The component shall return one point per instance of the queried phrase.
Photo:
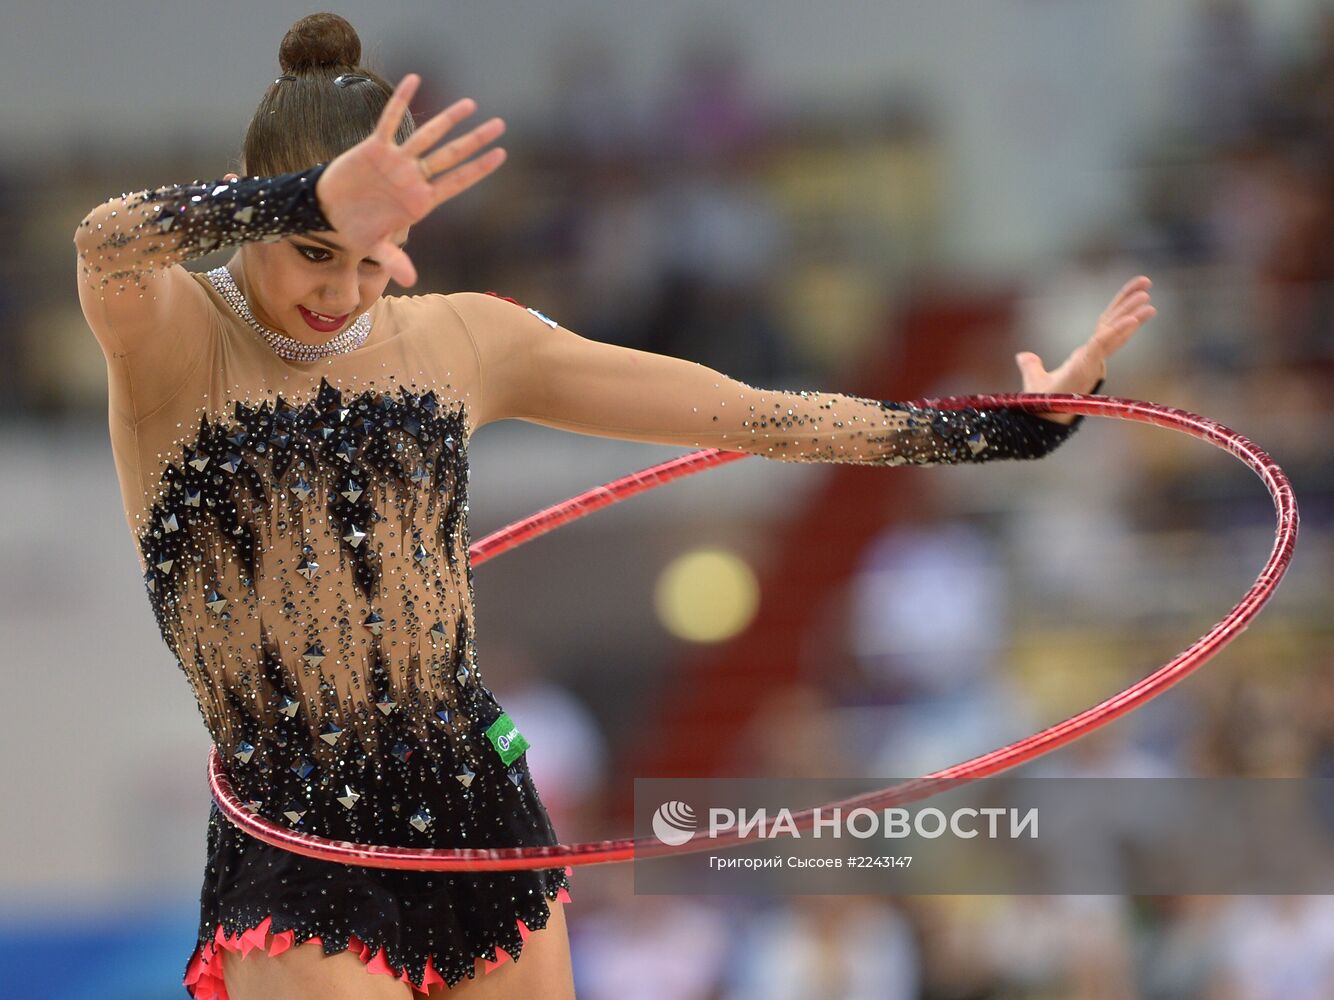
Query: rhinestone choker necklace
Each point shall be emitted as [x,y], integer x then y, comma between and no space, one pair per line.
[285,347]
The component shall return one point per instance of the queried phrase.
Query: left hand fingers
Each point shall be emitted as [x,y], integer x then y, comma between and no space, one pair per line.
[396,107]
[464,146]
[427,135]
[459,179]
[1030,369]
[1138,284]
[396,262]
[1113,333]
[1126,307]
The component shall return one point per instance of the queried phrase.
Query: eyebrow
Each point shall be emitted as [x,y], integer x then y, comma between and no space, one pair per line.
[334,246]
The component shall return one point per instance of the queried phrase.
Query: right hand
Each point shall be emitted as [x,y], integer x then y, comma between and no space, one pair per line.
[377,187]
[1080,372]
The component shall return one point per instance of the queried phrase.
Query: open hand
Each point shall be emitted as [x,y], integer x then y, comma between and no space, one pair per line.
[378,187]
[1080,372]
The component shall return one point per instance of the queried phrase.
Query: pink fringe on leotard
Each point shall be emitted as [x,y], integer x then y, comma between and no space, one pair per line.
[203,976]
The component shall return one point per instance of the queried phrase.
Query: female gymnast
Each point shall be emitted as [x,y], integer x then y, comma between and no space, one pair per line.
[291,446]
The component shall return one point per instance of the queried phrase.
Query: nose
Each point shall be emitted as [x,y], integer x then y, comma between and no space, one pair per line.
[338,298]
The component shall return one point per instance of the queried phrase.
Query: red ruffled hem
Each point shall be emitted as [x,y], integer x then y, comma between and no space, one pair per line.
[203,976]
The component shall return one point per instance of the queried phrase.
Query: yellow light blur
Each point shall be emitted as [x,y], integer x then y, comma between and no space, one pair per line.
[707,595]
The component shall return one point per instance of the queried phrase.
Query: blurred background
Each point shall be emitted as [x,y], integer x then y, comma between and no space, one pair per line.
[888,199]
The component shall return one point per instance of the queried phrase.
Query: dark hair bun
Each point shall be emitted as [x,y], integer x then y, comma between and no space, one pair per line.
[319,40]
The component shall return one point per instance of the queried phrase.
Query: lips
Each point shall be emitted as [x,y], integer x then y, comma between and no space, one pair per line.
[320,322]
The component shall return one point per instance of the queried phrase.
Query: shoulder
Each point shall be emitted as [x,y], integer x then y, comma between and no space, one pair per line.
[410,307]
[480,311]
[512,345]
[463,308]
[141,305]
[495,308]
[499,326]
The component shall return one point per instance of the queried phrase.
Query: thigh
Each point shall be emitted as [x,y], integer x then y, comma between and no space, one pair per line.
[543,969]
[306,973]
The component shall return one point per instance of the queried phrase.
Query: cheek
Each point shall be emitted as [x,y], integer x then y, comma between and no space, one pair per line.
[284,282]
[296,284]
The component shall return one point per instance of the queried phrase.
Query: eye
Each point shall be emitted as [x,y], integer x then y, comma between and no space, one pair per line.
[309,252]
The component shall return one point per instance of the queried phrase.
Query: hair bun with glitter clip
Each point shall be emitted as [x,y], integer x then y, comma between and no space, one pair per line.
[318,41]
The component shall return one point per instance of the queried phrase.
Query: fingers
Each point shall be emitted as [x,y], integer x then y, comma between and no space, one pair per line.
[1030,368]
[464,177]
[1128,311]
[1138,284]
[1136,306]
[421,141]
[1138,316]
[1136,312]
[1113,335]
[397,263]
[463,147]
[1127,302]
[396,108]
[452,153]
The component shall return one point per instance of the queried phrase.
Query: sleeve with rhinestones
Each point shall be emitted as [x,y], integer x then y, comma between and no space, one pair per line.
[807,426]
[535,370]
[150,230]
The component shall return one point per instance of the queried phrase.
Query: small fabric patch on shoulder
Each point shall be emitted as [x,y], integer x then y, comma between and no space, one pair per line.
[543,317]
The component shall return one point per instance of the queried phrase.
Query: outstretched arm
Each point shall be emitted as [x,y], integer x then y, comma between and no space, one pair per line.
[546,374]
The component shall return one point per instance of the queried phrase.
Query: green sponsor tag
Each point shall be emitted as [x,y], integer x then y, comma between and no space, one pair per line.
[507,740]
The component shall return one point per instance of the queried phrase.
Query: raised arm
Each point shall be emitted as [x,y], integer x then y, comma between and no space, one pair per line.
[151,318]
[536,371]
[127,239]
[144,307]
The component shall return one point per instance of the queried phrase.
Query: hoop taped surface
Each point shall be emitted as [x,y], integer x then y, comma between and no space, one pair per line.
[985,765]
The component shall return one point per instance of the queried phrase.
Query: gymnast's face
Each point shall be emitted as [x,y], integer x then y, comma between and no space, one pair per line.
[309,287]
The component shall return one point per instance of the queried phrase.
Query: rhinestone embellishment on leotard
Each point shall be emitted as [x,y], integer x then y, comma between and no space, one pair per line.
[285,347]
[305,551]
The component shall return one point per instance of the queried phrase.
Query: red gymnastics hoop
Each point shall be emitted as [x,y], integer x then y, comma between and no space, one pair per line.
[1001,759]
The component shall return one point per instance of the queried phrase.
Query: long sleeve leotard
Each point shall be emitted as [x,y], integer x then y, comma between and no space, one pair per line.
[303,538]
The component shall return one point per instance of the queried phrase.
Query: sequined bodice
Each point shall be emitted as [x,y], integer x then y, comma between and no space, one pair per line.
[320,546]
[308,565]
[304,544]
